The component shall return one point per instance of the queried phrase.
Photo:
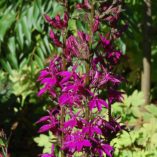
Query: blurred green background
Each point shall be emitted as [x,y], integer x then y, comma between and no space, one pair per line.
[25,49]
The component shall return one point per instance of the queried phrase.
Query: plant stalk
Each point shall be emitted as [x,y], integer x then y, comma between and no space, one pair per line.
[87,66]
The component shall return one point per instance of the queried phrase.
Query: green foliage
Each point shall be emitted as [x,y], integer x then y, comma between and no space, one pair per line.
[1,143]
[24,50]
[45,141]
[133,41]
[25,40]
[24,44]
[22,83]
[140,138]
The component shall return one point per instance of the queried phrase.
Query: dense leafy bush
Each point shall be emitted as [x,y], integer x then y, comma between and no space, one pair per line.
[139,140]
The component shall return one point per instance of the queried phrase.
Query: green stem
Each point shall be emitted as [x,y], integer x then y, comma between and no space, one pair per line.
[62,118]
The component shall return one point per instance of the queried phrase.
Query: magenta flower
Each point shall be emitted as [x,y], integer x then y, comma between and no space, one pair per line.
[107,78]
[51,122]
[48,83]
[107,149]
[114,57]
[81,81]
[97,103]
[43,119]
[105,41]
[45,128]
[43,74]
[76,141]
[91,130]
[96,24]
[115,96]
[84,5]
[49,155]
[66,75]
[77,47]
[70,123]
[70,98]
[71,47]
[57,22]
[83,37]
[55,39]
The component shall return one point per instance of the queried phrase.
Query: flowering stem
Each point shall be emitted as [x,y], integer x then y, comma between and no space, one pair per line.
[87,66]
[79,91]
[91,23]
[62,118]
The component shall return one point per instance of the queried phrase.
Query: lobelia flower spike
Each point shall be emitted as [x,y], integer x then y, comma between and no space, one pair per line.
[87,125]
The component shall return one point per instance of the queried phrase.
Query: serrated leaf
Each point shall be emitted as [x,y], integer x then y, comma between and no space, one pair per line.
[152,109]
[45,141]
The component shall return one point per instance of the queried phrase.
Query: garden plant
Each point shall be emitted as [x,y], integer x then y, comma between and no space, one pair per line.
[81,80]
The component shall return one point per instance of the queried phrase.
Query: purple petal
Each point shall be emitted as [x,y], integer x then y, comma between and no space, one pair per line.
[96,24]
[103,102]
[42,119]
[66,76]
[45,155]
[48,19]
[44,128]
[97,130]
[107,149]
[42,91]
[43,73]
[104,40]
[55,39]
[86,143]
[64,98]
[70,123]
[92,104]
[79,146]
[51,81]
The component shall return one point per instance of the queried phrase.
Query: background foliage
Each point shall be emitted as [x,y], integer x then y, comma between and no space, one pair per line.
[139,140]
[25,49]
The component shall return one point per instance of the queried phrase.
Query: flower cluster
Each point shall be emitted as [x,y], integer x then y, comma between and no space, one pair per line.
[81,118]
